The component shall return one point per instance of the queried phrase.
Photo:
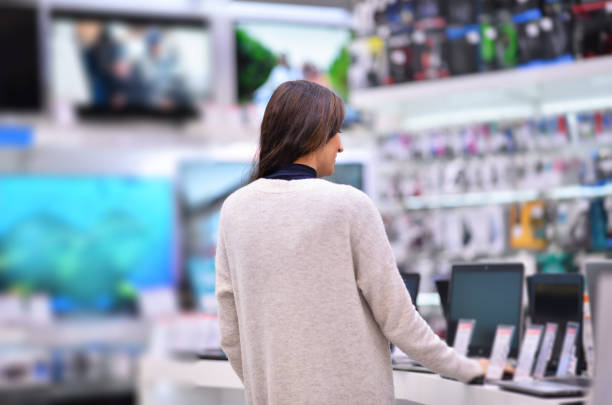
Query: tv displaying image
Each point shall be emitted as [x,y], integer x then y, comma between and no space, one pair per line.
[89,243]
[20,79]
[269,54]
[130,66]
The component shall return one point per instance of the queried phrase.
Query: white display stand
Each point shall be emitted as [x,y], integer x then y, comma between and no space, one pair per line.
[162,381]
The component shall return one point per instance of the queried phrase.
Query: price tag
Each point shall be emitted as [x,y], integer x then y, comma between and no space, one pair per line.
[528,352]
[567,350]
[499,354]
[463,337]
[545,350]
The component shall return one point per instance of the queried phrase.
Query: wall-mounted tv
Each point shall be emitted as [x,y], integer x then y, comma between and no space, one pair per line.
[20,78]
[130,66]
[90,243]
[270,53]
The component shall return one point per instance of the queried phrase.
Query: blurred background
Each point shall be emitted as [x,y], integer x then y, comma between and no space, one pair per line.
[481,129]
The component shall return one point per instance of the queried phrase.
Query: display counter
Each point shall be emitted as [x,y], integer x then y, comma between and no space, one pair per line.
[219,385]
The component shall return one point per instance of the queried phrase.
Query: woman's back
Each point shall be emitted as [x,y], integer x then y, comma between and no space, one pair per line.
[308,336]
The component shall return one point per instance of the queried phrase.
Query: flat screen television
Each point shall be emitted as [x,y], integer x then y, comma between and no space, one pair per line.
[89,243]
[20,78]
[115,66]
[270,53]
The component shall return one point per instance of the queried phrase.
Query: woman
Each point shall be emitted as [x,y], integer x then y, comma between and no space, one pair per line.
[308,289]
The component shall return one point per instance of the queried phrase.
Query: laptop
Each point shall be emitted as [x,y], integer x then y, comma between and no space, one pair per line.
[555,298]
[543,388]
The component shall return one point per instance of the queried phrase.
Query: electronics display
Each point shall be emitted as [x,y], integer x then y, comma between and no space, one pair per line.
[491,294]
[20,78]
[457,187]
[442,288]
[270,53]
[90,243]
[557,298]
[412,281]
[352,174]
[502,34]
[123,65]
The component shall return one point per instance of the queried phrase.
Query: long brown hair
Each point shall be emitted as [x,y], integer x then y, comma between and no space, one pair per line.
[300,117]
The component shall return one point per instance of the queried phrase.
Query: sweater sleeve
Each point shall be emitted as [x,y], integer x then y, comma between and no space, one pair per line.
[228,318]
[382,287]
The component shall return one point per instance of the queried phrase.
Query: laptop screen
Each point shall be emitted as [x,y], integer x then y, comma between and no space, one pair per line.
[412,280]
[557,298]
[491,294]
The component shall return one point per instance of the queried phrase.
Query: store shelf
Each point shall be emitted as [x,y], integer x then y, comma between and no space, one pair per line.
[496,197]
[519,93]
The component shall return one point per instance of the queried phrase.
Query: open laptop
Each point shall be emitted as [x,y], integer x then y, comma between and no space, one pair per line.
[555,298]
[491,294]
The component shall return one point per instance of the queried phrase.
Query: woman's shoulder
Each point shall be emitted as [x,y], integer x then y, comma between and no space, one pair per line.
[341,194]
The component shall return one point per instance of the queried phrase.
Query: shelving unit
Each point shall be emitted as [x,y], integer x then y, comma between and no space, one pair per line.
[510,94]
[497,197]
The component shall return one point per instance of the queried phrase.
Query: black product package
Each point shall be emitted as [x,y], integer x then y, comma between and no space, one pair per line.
[401,16]
[556,33]
[426,9]
[462,50]
[593,29]
[520,6]
[462,12]
[400,58]
[530,46]
[428,60]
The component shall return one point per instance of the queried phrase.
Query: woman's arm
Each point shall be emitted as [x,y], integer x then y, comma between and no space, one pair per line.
[382,287]
[228,318]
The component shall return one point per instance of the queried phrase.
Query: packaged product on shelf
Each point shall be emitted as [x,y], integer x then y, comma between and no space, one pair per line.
[462,49]
[571,227]
[527,226]
[400,58]
[430,9]
[530,46]
[593,29]
[600,215]
[400,16]
[462,12]
[556,28]
[521,6]
[369,63]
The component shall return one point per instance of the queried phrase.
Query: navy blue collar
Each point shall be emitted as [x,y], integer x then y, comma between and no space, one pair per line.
[293,171]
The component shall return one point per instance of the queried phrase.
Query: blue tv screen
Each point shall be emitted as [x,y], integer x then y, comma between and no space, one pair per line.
[90,243]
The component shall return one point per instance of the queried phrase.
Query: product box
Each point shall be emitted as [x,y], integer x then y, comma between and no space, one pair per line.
[428,57]
[462,49]
[401,63]
[593,29]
